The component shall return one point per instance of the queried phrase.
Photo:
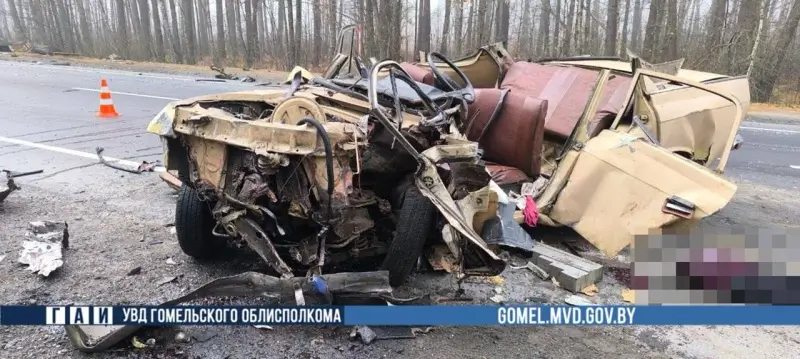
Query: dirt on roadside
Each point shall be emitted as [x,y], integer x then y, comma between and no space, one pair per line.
[260,75]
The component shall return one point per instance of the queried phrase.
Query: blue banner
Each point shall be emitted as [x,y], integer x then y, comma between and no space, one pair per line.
[479,315]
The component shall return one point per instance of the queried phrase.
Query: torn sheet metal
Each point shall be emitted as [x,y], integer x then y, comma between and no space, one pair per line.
[7,187]
[618,188]
[343,286]
[42,250]
[371,334]
[161,124]
[504,231]
[460,215]
[304,74]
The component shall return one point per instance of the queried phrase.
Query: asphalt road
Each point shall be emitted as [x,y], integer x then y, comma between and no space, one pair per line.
[117,220]
[770,154]
[49,114]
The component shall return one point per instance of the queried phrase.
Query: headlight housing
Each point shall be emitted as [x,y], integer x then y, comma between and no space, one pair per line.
[162,123]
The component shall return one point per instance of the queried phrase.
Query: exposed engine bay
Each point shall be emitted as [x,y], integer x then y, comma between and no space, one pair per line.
[331,170]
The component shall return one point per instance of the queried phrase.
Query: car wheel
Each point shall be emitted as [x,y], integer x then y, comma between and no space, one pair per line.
[414,221]
[194,225]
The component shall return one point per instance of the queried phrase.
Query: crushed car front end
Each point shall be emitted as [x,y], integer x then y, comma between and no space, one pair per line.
[326,174]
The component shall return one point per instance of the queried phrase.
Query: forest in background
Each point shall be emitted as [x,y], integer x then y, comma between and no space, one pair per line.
[759,38]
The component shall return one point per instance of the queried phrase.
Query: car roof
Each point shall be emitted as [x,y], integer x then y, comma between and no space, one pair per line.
[624,66]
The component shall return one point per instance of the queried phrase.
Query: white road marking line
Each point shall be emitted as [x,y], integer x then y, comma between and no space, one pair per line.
[126,93]
[767,129]
[68,151]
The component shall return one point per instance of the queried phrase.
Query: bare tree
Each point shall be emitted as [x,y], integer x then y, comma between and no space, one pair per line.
[176,35]
[525,29]
[612,18]
[290,34]
[202,25]
[459,25]
[502,15]
[158,32]
[587,27]
[757,40]
[317,10]
[189,30]
[333,24]
[767,79]
[565,45]
[281,35]
[445,27]
[220,33]
[5,30]
[250,25]
[557,30]
[370,14]
[653,31]
[717,12]
[745,35]
[230,16]
[65,27]
[87,40]
[144,15]
[670,51]
[122,29]
[424,27]
[625,22]
[756,37]
[19,24]
[298,31]
[468,37]
[544,29]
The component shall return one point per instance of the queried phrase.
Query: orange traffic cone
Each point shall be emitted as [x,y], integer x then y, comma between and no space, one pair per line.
[107,109]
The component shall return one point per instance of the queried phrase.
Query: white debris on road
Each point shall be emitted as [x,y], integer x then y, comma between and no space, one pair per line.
[41,250]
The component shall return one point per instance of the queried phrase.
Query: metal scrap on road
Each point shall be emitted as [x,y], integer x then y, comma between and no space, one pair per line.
[7,187]
[42,250]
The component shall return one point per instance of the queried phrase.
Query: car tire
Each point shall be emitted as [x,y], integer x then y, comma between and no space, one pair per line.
[194,225]
[414,221]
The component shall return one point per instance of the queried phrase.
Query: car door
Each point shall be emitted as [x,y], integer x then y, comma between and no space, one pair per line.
[343,62]
[688,120]
[620,183]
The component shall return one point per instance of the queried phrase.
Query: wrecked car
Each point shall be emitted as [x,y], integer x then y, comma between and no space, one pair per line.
[327,172]
[615,148]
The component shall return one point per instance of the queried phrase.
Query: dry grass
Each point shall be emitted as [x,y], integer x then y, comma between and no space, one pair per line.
[785,98]
[265,69]
[766,107]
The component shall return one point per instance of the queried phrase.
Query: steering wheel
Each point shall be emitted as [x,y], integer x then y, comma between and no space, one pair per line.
[397,73]
[435,115]
[467,91]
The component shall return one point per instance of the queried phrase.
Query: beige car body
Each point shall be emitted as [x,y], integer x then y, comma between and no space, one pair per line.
[617,183]
[613,186]
[209,133]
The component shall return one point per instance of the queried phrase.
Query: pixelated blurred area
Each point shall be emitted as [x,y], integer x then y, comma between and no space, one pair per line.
[720,266]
